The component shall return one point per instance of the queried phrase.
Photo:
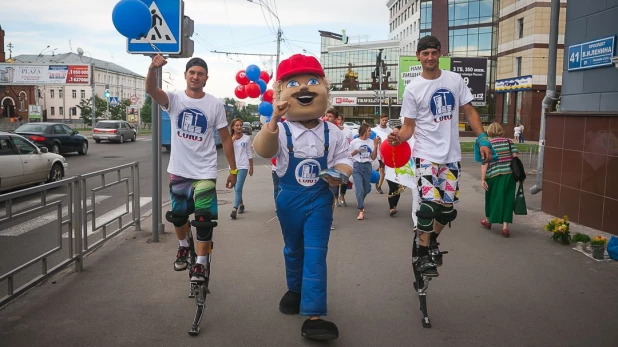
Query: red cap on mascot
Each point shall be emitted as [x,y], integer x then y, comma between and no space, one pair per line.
[299,64]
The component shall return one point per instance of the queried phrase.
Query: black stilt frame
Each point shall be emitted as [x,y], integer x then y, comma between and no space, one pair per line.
[198,290]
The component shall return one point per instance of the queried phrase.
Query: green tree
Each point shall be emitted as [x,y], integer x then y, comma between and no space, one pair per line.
[146,111]
[119,112]
[85,105]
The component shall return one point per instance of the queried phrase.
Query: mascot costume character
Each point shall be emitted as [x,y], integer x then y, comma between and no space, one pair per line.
[311,155]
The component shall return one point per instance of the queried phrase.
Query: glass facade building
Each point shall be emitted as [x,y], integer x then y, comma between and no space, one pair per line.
[354,71]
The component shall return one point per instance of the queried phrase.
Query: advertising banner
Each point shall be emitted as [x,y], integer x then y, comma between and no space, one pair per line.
[35,74]
[34,111]
[474,73]
[132,114]
[514,84]
[410,68]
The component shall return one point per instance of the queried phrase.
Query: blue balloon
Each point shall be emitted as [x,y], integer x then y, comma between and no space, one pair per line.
[265,109]
[375,177]
[262,85]
[253,73]
[132,19]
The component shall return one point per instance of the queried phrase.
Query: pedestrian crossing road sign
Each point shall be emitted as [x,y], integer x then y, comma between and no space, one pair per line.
[165,31]
[113,101]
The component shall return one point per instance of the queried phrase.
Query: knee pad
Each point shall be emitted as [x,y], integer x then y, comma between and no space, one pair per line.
[176,219]
[447,215]
[426,214]
[204,225]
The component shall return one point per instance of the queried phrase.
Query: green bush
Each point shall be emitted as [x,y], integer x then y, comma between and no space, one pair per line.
[579,237]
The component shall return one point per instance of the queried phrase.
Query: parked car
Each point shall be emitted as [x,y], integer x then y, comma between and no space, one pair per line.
[256,125]
[57,137]
[113,130]
[246,128]
[351,125]
[23,163]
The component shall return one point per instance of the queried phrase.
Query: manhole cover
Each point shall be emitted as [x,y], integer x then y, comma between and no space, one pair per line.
[223,202]
[113,157]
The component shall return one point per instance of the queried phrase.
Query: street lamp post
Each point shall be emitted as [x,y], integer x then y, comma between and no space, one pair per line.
[279,32]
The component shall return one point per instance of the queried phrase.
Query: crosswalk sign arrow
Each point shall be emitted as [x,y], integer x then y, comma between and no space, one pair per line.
[113,101]
[164,36]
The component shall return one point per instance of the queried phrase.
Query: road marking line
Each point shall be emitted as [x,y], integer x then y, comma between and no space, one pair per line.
[24,205]
[111,215]
[49,217]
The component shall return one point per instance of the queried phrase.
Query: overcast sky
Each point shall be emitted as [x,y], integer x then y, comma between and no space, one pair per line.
[222,25]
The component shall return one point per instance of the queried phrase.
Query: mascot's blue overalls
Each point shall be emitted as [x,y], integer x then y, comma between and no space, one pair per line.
[304,208]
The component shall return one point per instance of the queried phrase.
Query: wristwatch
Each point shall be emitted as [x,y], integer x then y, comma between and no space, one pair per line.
[234,172]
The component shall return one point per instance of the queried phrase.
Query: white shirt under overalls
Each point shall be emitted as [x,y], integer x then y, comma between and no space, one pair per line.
[309,143]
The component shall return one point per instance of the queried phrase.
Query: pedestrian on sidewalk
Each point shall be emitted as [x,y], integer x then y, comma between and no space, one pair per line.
[521,133]
[516,132]
[363,151]
[430,111]
[195,116]
[349,135]
[382,130]
[244,163]
[497,180]
[304,145]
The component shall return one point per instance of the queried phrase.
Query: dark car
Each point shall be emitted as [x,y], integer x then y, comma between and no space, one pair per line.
[57,137]
[246,128]
[256,125]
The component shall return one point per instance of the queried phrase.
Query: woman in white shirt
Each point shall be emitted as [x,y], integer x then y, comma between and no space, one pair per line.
[244,163]
[363,151]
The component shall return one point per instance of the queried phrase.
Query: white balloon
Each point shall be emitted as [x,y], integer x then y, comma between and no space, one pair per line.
[375,165]
[263,119]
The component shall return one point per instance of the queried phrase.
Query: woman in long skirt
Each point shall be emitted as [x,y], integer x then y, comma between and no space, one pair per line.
[497,180]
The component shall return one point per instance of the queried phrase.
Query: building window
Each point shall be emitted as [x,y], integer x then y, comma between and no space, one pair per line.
[51,93]
[520,28]
[83,94]
[518,102]
[74,94]
[518,65]
[426,15]
[61,111]
[52,111]
[73,111]
[60,93]
[506,100]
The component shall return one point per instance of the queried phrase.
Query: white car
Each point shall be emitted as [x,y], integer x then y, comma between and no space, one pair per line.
[22,163]
[351,125]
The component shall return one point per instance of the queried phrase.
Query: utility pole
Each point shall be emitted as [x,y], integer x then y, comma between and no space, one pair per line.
[279,32]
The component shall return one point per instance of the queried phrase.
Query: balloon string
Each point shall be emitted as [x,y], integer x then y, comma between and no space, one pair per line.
[400,187]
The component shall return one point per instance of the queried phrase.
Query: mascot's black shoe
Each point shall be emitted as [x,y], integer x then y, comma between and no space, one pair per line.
[320,330]
[290,303]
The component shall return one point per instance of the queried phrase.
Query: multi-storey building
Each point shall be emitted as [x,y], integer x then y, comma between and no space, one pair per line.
[355,71]
[404,23]
[60,102]
[523,27]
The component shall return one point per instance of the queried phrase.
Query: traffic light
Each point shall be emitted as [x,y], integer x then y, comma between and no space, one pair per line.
[187,46]
[106,94]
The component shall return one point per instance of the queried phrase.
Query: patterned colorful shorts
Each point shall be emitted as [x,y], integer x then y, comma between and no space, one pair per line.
[189,196]
[438,182]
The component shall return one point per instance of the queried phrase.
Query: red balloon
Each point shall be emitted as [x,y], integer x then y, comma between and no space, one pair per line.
[401,156]
[268,95]
[240,92]
[274,161]
[253,90]
[264,76]
[241,78]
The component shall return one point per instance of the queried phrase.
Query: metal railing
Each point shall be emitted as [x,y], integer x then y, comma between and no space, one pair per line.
[73,224]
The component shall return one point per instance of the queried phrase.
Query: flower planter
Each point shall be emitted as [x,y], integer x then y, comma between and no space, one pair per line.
[563,239]
[598,251]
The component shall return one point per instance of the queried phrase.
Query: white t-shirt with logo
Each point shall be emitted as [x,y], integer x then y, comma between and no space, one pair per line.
[243,152]
[193,124]
[364,147]
[434,104]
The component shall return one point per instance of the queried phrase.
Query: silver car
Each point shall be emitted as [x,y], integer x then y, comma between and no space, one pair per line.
[22,163]
[113,130]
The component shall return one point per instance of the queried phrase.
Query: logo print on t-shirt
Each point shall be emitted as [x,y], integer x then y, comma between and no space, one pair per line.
[442,105]
[192,124]
[364,151]
[307,172]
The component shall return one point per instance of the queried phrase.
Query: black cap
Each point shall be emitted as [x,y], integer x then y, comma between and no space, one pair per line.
[428,42]
[196,62]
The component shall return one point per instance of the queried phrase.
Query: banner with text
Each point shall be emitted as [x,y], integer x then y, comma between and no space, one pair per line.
[35,74]
[410,68]
[474,73]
